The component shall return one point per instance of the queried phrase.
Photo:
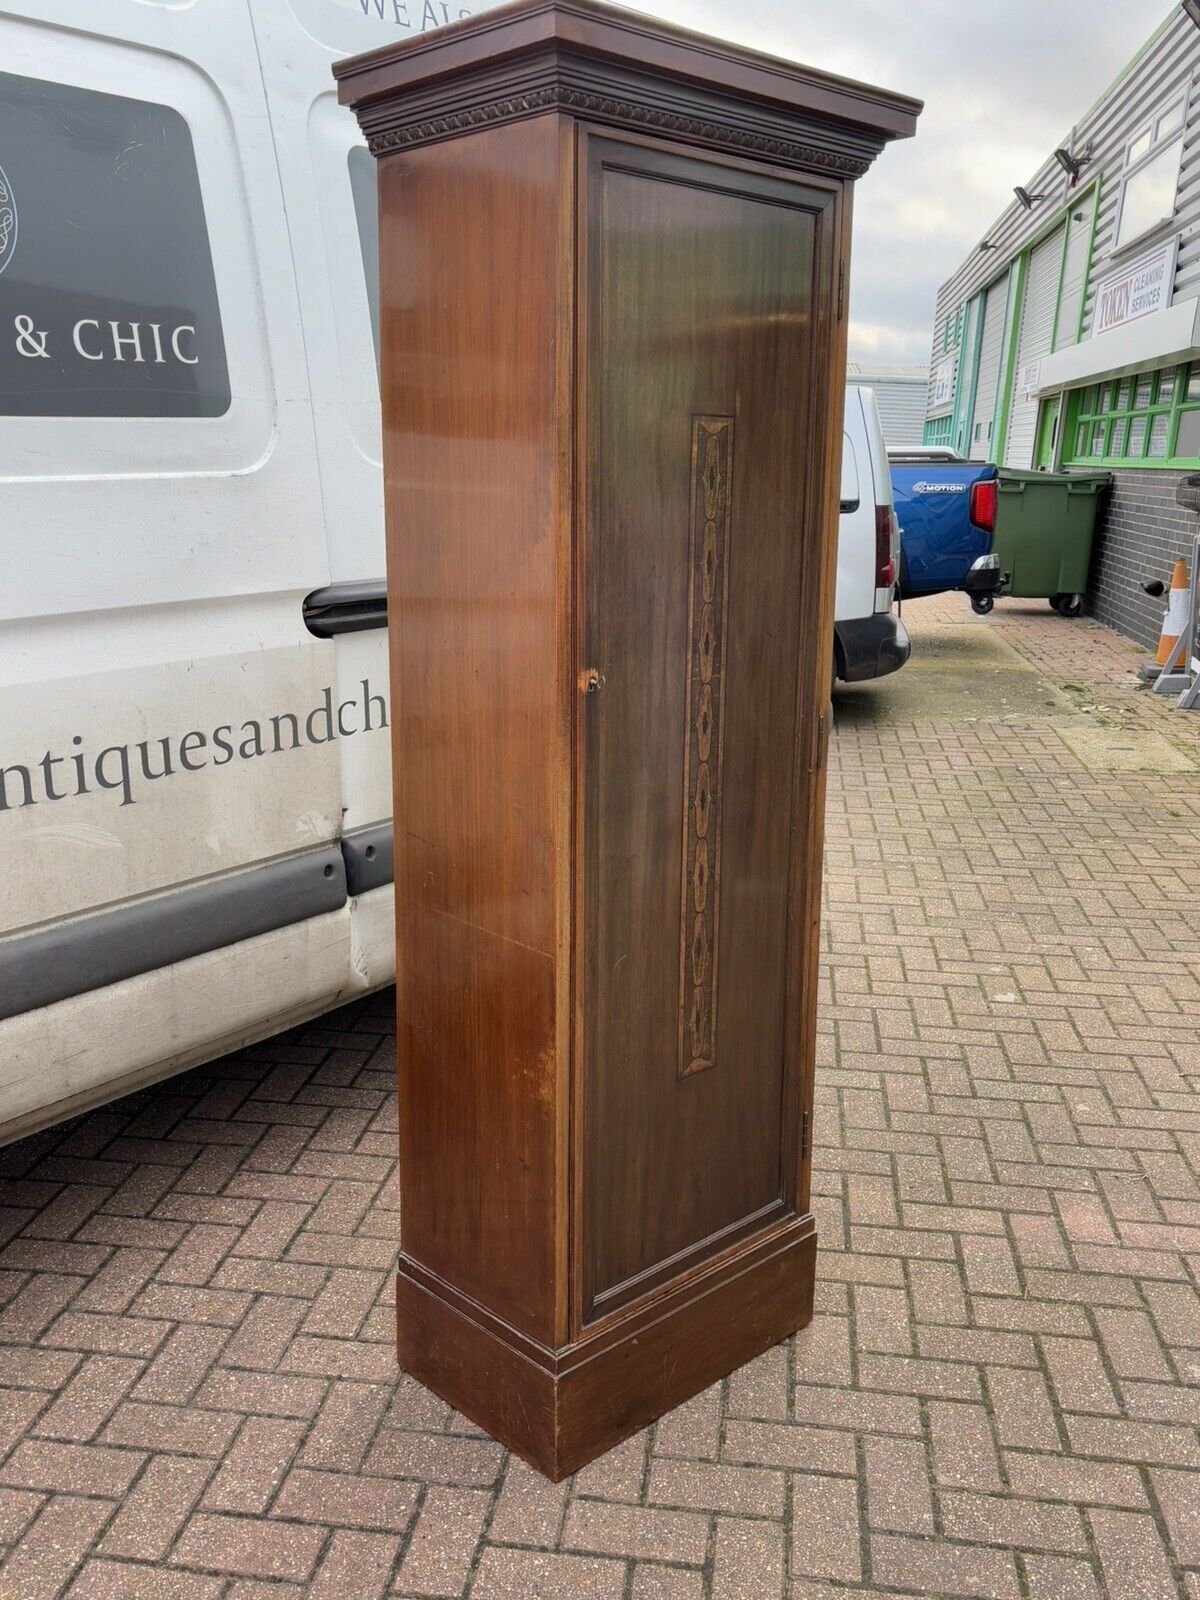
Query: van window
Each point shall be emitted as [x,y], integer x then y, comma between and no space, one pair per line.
[108,304]
[366,208]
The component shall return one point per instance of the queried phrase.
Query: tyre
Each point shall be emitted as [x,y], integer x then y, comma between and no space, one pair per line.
[981,604]
[1068,605]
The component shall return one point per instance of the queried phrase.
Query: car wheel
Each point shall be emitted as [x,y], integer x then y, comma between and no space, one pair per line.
[981,604]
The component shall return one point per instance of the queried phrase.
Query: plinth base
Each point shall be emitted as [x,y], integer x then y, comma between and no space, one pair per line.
[561,1408]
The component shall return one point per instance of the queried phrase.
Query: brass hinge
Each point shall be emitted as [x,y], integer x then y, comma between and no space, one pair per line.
[804,1134]
[841,290]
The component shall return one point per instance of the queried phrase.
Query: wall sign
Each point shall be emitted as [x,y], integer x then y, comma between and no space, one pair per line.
[943,384]
[1031,377]
[1136,290]
[108,304]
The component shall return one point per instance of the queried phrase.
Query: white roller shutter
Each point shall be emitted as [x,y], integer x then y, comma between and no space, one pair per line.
[979,445]
[1070,299]
[1033,342]
[901,411]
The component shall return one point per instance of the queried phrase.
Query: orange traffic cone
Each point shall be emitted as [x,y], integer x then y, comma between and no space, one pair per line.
[1175,619]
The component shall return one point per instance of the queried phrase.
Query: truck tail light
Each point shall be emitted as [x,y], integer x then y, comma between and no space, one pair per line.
[885,565]
[983,505]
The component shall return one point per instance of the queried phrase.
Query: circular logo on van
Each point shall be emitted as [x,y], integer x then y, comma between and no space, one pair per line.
[8,221]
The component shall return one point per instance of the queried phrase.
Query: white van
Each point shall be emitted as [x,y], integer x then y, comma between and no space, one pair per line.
[870,640]
[194,775]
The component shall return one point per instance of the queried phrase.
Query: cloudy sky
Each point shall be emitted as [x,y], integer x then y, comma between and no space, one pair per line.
[1002,81]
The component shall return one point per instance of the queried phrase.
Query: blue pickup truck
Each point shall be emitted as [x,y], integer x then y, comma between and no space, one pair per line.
[946,508]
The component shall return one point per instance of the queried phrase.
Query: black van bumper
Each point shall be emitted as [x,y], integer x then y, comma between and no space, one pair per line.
[871,647]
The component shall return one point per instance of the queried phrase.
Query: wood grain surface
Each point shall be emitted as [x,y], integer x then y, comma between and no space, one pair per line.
[612,363]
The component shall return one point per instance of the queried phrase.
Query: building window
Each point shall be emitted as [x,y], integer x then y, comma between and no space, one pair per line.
[951,333]
[1150,177]
[1152,420]
[938,430]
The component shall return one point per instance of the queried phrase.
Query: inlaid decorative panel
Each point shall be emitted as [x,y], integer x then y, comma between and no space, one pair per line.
[708,605]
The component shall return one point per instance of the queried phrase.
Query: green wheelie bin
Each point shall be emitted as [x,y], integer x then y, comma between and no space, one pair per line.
[1044,527]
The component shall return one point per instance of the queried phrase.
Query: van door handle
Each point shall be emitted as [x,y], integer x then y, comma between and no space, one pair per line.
[346,608]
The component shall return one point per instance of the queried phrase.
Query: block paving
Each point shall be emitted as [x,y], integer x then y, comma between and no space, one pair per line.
[999,1395]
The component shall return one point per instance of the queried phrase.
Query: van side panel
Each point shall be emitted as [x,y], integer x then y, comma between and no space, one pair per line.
[80,1052]
[165,716]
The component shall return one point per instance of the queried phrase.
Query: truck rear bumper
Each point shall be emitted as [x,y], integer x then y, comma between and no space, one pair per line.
[983,576]
[871,647]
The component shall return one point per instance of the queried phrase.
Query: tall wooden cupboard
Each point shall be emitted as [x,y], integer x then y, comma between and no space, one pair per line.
[612,293]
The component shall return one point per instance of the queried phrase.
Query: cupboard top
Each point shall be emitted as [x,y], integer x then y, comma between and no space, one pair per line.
[619,67]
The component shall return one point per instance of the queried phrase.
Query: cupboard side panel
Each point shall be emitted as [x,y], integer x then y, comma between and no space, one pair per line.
[470,241]
[815,708]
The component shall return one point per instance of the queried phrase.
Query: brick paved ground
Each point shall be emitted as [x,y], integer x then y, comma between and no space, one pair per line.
[1000,1393]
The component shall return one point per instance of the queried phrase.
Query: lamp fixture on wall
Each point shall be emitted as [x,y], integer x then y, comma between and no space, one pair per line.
[1073,165]
[1192,8]
[1030,200]
[988,245]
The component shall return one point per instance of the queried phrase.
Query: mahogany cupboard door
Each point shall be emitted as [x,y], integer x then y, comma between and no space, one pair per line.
[704,439]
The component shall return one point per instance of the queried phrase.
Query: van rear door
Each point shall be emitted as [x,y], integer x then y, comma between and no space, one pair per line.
[855,592]
[328,178]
